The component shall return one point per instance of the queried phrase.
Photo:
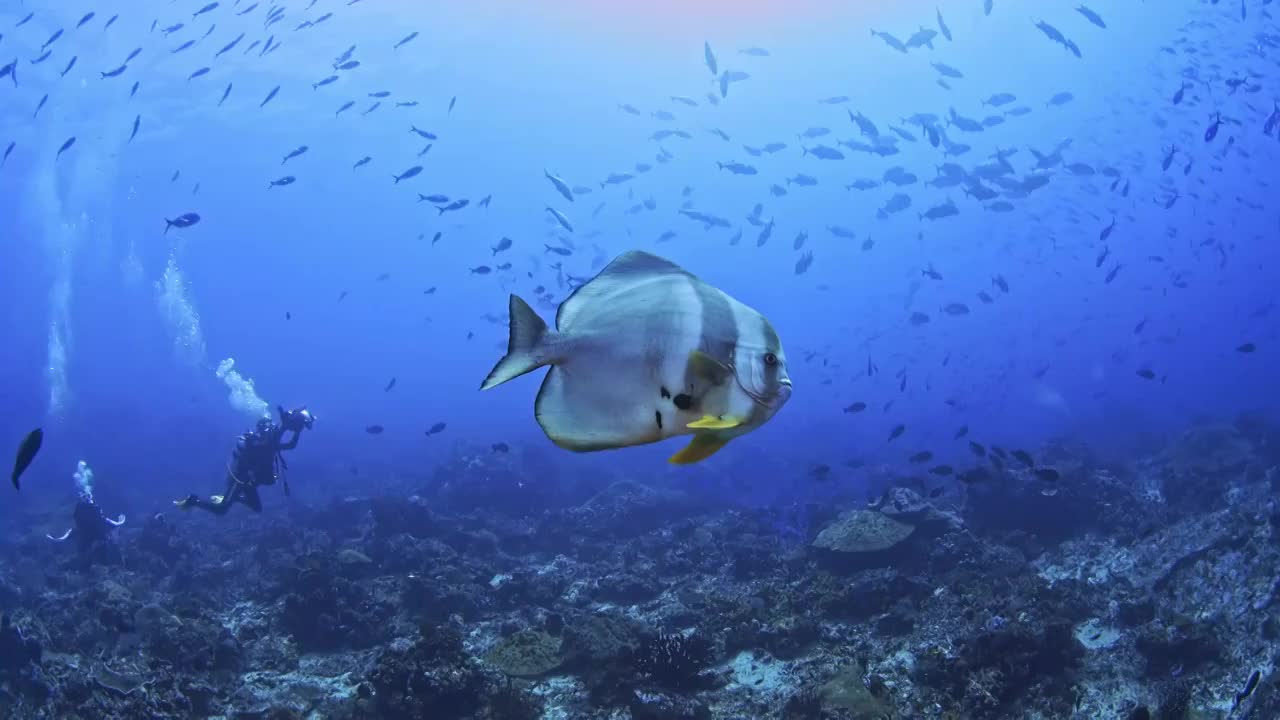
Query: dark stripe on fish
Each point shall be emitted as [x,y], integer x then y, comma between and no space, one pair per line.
[719,325]
[719,338]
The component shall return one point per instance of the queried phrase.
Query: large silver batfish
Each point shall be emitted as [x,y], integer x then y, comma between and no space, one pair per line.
[643,352]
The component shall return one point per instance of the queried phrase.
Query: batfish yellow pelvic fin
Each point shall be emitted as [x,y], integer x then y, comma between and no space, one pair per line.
[700,448]
[711,422]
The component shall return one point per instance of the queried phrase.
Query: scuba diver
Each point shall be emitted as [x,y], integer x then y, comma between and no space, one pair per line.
[256,461]
[91,527]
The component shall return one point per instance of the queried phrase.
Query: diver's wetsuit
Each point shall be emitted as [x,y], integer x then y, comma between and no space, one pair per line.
[255,462]
[92,540]
[91,529]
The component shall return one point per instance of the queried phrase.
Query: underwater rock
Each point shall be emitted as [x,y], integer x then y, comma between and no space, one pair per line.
[628,509]
[192,643]
[996,670]
[17,651]
[526,654]
[846,692]
[430,677]
[1198,468]
[311,690]
[395,516]
[599,638]
[657,705]
[625,589]
[865,533]
[353,563]
[910,507]
[1179,648]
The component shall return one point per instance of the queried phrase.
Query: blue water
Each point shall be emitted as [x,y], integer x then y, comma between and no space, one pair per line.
[113,327]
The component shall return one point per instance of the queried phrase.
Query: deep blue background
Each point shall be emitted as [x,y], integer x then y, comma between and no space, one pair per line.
[85,248]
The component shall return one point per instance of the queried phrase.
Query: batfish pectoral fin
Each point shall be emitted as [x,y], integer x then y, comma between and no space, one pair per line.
[711,422]
[702,365]
[700,448]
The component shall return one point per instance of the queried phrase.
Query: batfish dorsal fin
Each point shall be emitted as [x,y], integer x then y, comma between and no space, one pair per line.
[699,449]
[627,271]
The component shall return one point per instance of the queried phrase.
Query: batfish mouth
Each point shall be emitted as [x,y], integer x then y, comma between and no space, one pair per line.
[770,400]
[783,394]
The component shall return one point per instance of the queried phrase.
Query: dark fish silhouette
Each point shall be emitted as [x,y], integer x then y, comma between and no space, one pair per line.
[184,220]
[26,453]
[411,172]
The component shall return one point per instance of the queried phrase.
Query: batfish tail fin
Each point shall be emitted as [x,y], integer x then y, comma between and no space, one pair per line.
[528,333]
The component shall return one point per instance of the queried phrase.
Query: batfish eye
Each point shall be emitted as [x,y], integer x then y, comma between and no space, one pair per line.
[770,359]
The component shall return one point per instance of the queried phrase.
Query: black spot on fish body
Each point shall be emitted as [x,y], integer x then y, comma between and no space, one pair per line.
[657,417]
[683,401]
[663,391]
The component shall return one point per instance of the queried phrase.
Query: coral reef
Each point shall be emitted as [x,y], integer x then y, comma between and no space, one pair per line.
[1139,589]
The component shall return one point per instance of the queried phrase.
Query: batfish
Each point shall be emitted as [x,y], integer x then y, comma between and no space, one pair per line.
[643,352]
